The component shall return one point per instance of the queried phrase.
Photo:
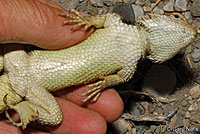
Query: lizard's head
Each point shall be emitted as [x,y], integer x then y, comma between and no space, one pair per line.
[166,35]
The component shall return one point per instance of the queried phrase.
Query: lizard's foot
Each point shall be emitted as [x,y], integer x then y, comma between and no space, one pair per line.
[26,112]
[96,91]
[77,18]
[105,81]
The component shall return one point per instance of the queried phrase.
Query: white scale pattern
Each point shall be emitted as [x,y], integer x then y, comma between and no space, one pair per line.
[114,49]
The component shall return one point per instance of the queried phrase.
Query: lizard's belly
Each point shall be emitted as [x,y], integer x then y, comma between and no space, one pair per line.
[93,58]
[57,75]
[103,53]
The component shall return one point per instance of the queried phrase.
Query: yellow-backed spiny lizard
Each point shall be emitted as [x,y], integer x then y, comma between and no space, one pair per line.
[109,57]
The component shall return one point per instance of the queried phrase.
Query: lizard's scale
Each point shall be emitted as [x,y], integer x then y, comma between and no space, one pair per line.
[166,36]
[109,55]
[95,57]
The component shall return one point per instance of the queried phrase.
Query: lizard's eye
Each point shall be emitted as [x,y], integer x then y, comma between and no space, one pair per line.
[176,16]
[179,16]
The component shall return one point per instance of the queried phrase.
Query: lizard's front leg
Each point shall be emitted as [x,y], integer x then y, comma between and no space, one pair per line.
[107,81]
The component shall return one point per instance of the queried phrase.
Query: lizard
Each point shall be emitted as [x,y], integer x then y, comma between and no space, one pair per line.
[108,57]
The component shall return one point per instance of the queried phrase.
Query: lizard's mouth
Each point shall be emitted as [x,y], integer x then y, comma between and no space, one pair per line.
[195,35]
[198,32]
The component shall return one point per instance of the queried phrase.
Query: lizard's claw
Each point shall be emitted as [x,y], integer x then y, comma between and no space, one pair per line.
[77,18]
[96,91]
[25,111]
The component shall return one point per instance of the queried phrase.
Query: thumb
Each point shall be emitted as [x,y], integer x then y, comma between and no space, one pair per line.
[36,22]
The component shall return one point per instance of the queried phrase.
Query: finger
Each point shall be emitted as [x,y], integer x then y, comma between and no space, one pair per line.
[109,104]
[78,120]
[52,4]
[7,128]
[33,22]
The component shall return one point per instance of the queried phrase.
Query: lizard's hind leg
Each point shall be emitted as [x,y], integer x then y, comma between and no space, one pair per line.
[94,20]
[77,18]
[7,91]
[39,105]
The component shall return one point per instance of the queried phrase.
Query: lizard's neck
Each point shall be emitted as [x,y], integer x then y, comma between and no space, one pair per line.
[144,36]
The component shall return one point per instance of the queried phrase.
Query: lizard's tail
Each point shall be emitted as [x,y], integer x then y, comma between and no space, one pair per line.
[7,91]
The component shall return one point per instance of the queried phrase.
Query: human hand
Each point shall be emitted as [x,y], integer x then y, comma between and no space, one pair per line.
[37,22]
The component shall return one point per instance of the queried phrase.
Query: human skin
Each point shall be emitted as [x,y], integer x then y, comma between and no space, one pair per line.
[37,22]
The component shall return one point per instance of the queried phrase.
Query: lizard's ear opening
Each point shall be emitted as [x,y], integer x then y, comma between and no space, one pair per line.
[166,35]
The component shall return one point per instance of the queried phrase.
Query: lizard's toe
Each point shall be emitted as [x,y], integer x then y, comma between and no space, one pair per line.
[26,113]
[95,91]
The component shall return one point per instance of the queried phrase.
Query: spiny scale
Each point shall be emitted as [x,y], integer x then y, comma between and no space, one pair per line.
[110,56]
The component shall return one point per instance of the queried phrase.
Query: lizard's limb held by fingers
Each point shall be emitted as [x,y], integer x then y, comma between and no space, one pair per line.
[96,21]
[107,81]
